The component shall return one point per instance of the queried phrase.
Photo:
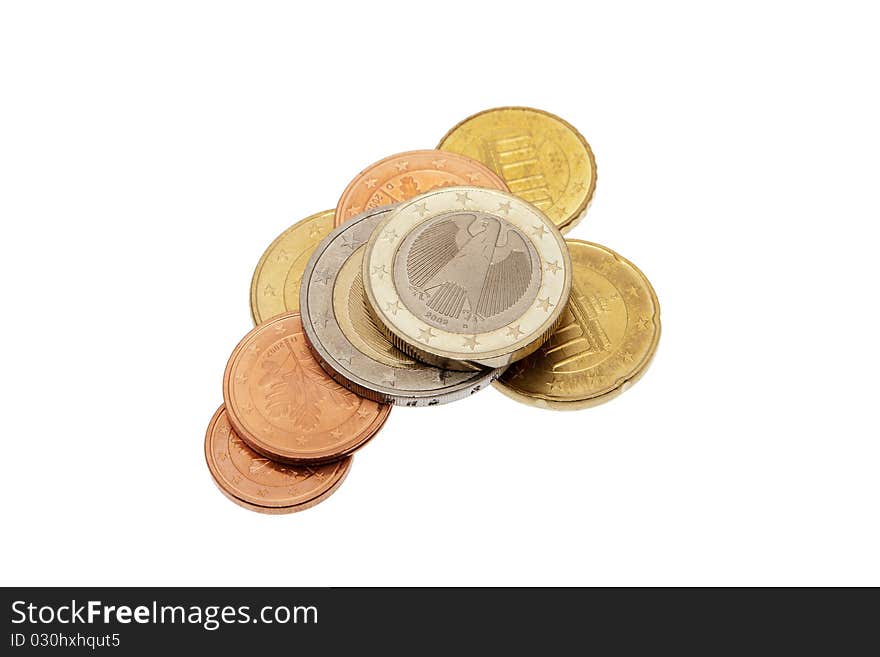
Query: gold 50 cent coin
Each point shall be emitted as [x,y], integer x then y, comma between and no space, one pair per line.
[604,342]
[276,281]
[260,484]
[540,156]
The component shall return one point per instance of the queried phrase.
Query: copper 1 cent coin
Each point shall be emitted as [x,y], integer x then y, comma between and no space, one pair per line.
[284,406]
[260,484]
[402,176]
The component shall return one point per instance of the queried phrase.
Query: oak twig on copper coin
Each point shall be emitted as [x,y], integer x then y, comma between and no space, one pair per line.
[285,406]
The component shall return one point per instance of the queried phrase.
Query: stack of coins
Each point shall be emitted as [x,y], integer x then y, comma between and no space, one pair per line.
[438,273]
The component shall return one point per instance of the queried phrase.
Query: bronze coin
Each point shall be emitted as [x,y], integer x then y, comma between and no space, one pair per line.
[404,175]
[285,406]
[260,484]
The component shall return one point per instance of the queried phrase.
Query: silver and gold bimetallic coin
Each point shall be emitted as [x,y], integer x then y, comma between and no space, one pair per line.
[604,343]
[349,344]
[465,276]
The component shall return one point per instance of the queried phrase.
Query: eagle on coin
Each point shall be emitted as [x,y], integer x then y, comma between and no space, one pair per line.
[469,264]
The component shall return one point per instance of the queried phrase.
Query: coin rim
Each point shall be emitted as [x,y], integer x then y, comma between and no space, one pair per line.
[541,400]
[259,268]
[580,212]
[498,357]
[290,456]
[220,482]
[356,383]
[485,170]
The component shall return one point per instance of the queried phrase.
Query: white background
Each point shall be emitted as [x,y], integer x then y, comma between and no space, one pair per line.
[149,152]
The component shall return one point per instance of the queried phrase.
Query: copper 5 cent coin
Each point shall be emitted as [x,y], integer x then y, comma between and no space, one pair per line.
[402,176]
[260,484]
[284,406]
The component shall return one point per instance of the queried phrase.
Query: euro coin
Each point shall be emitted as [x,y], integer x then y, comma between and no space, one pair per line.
[344,335]
[404,175]
[465,276]
[276,281]
[604,343]
[260,484]
[542,158]
[285,407]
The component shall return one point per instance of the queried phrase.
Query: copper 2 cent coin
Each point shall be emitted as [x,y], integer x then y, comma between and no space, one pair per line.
[263,485]
[284,406]
[400,177]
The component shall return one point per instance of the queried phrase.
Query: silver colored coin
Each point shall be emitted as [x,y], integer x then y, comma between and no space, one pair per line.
[467,271]
[462,276]
[349,344]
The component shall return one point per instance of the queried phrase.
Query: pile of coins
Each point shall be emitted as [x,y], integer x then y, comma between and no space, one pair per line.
[439,272]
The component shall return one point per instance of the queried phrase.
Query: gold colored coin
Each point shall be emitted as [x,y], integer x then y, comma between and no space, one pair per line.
[542,158]
[276,281]
[604,342]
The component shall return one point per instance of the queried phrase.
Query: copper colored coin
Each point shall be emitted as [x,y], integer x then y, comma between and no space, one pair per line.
[260,484]
[402,176]
[284,406]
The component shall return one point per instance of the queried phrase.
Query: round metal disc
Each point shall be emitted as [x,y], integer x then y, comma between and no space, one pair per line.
[604,343]
[349,344]
[542,158]
[463,276]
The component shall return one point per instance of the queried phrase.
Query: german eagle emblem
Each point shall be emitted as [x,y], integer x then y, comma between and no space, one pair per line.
[469,265]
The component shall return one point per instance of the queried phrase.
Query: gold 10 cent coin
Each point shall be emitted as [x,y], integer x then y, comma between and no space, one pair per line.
[604,342]
[276,281]
[542,158]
